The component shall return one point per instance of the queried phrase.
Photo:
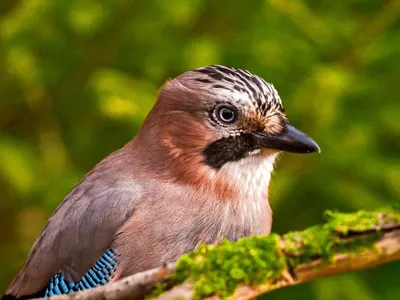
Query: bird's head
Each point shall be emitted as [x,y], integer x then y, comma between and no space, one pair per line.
[218,119]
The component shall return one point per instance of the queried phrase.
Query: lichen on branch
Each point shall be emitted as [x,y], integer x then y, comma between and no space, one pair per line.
[342,233]
[219,270]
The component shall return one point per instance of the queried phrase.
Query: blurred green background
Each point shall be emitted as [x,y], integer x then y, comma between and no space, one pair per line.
[78,77]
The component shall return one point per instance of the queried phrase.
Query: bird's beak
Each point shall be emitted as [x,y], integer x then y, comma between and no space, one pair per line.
[291,140]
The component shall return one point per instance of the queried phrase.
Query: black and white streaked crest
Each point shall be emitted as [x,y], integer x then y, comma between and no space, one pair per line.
[240,86]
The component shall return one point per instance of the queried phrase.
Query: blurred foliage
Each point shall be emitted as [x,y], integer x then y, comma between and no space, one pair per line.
[78,77]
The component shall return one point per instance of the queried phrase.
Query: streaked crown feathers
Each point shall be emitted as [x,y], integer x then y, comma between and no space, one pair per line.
[239,86]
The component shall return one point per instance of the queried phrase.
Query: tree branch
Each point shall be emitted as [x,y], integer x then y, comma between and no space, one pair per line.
[389,250]
[257,265]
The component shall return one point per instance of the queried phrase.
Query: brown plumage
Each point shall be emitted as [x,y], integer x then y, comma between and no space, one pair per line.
[197,172]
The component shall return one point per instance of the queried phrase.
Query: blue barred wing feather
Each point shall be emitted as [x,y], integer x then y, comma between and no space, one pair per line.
[99,274]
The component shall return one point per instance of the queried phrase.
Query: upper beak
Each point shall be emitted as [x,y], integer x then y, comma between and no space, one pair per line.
[291,140]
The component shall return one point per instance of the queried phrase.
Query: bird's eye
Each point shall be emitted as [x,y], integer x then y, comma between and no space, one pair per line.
[227,115]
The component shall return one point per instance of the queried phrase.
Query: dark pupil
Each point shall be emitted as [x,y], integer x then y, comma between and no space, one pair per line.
[227,115]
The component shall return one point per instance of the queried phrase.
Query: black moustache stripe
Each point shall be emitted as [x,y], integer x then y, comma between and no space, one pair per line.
[229,149]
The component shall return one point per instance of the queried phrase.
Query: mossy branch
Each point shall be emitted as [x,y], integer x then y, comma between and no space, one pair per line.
[256,265]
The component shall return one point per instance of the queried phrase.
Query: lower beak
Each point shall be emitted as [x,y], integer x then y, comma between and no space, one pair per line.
[291,140]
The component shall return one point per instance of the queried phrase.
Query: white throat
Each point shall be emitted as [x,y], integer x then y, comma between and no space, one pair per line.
[251,175]
[249,212]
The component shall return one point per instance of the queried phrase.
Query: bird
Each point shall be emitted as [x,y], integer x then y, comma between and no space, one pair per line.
[197,172]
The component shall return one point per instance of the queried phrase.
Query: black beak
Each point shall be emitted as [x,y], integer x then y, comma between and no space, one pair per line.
[291,140]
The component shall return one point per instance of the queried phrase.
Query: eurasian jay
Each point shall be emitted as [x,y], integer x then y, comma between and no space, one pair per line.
[197,172]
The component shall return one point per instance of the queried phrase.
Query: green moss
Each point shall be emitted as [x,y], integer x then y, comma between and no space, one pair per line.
[322,242]
[330,238]
[363,220]
[303,246]
[219,269]
[256,260]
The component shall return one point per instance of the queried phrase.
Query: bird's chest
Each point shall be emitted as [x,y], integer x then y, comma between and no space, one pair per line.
[249,212]
[244,219]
